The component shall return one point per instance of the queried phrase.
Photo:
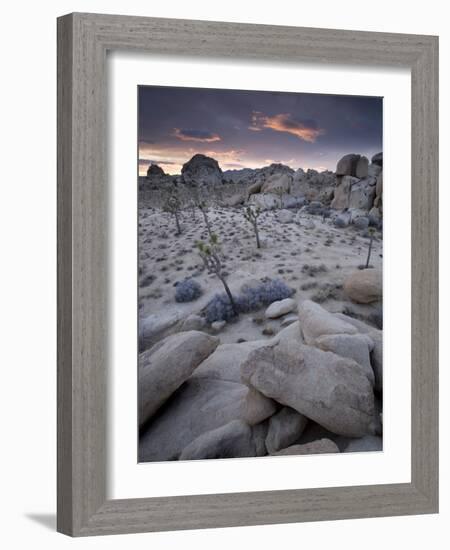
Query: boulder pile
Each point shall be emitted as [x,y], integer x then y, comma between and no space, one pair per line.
[312,388]
[353,194]
[359,189]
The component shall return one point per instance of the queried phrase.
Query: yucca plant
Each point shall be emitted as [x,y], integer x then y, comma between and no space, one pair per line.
[371,232]
[252,215]
[203,207]
[172,205]
[210,254]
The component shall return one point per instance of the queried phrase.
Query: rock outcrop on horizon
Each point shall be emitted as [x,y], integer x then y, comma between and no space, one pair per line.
[258,176]
[359,188]
[154,170]
[352,192]
[156,178]
[201,171]
[353,165]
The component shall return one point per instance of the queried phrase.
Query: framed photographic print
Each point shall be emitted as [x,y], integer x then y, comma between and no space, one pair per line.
[247,274]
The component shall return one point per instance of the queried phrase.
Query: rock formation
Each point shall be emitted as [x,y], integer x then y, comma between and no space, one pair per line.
[359,187]
[320,446]
[156,178]
[364,286]
[353,165]
[201,170]
[154,170]
[164,367]
[307,390]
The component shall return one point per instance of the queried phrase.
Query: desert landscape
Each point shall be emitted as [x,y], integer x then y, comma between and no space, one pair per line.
[260,309]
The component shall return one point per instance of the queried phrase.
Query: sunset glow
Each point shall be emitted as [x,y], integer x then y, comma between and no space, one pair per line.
[248,129]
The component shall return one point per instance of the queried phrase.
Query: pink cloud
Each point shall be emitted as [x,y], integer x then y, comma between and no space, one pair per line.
[195,135]
[306,130]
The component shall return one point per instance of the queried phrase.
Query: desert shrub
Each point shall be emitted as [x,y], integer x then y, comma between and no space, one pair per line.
[188,291]
[250,299]
[313,270]
[309,286]
[327,292]
[147,280]
[219,309]
[253,298]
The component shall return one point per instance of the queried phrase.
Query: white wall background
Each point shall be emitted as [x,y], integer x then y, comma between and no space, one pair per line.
[28,274]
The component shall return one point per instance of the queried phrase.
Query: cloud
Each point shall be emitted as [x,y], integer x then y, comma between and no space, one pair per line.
[227,156]
[306,130]
[147,162]
[195,135]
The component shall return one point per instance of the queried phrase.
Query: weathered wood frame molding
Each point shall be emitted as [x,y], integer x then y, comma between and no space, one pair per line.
[83,41]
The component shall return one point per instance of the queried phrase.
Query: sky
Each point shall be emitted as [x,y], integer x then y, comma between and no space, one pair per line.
[251,129]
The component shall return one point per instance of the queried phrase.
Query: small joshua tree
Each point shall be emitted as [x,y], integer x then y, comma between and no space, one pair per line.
[210,255]
[371,232]
[172,205]
[203,207]
[252,215]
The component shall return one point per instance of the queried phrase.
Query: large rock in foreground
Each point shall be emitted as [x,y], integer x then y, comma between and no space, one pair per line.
[163,368]
[280,307]
[364,444]
[199,406]
[331,390]
[321,446]
[364,286]
[354,346]
[202,170]
[226,360]
[315,321]
[234,440]
[154,327]
[285,427]
[376,355]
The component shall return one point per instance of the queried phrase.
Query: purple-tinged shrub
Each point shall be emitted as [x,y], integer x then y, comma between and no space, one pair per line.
[188,291]
[273,290]
[250,299]
[219,309]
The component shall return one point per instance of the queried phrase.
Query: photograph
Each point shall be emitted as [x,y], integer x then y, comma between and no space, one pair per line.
[235,335]
[260,273]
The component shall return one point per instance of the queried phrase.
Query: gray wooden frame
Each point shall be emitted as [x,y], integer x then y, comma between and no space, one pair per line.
[83,41]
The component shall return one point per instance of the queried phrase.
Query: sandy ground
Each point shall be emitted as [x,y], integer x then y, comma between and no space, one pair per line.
[314,262]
